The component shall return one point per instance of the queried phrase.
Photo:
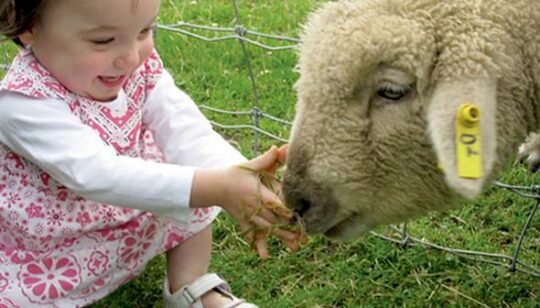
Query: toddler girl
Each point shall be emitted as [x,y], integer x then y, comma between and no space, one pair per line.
[86,199]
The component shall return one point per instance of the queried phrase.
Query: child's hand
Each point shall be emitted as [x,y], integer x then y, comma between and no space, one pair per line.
[250,193]
[253,202]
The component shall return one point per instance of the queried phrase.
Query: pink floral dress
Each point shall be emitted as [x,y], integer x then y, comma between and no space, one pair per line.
[58,249]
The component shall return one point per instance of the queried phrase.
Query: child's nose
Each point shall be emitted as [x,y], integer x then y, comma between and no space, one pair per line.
[129,59]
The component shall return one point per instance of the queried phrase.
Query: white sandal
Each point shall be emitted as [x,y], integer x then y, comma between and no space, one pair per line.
[190,296]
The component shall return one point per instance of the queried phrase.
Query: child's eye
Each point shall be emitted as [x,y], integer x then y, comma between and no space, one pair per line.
[103,41]
[147,30]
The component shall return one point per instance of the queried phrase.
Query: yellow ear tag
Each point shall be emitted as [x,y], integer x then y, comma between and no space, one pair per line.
[468,146]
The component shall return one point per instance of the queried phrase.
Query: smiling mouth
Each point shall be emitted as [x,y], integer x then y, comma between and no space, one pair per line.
[112,81]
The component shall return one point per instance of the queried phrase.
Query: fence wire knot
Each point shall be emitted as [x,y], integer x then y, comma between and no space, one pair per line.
[536,191]
[256,112]
[241,31]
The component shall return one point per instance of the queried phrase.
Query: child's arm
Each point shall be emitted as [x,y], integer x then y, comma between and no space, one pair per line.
[182,132]
[75,156]
[186,137]
[48,135]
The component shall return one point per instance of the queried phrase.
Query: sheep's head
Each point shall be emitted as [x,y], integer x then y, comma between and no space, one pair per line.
[373,140]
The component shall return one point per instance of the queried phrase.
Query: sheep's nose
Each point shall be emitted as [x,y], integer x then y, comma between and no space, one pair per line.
[296,200]
[300,193]
[302,206]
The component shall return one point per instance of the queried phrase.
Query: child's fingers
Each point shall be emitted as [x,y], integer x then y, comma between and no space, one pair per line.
[276,187]
[261,245]
[280,212]
[282,153]
[280,158]
[259,231]
[269,197]
[258,240]
[292,245]
[267,215]
[272,169]
[284,213]
[247,233]
[284,235]
[260,222]
[265,161]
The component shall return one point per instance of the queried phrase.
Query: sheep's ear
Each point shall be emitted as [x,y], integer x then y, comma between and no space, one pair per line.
[448,97]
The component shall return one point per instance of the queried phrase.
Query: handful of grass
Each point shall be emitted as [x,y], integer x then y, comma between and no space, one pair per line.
[293,222]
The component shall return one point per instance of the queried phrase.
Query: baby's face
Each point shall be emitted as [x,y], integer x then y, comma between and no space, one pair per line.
[91,47]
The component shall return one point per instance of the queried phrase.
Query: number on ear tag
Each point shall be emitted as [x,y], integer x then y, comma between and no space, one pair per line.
[468,143]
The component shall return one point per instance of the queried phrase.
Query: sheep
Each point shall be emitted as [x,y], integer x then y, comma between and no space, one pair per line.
[378,121]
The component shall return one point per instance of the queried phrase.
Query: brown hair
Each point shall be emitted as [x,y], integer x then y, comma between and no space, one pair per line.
[18,16]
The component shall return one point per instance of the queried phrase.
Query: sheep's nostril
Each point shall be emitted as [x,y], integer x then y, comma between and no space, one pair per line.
[303,206]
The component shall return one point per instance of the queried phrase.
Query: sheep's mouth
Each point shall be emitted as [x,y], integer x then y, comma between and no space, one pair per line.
[338,230]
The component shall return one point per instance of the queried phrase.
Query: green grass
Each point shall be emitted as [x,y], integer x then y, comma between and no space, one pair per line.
[369,272]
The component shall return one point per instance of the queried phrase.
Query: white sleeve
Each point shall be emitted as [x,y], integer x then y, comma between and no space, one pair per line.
[49,135]
[181,130]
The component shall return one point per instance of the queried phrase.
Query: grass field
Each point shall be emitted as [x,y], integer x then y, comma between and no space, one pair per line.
[369,272]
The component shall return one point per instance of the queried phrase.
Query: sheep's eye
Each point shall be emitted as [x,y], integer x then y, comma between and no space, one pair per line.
[392,91]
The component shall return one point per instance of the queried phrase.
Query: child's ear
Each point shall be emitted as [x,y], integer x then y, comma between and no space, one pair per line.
[27,37]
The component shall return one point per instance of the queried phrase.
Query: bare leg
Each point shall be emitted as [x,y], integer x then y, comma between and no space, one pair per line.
[190,260]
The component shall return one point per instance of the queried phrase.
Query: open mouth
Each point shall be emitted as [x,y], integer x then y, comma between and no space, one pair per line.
[112,81]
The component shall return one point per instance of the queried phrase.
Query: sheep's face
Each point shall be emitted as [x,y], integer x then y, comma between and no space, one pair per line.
[372,140]
[349,156]
[359,134]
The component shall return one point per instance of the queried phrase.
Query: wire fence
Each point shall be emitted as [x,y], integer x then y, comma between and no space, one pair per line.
[397,234]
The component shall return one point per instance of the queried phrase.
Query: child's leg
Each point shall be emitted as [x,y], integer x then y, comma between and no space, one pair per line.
[190,260]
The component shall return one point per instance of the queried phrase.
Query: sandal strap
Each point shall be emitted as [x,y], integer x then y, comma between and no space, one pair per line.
[191,293]
[239,303]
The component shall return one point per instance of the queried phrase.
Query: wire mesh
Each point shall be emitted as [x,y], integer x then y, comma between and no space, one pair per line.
[398,234]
